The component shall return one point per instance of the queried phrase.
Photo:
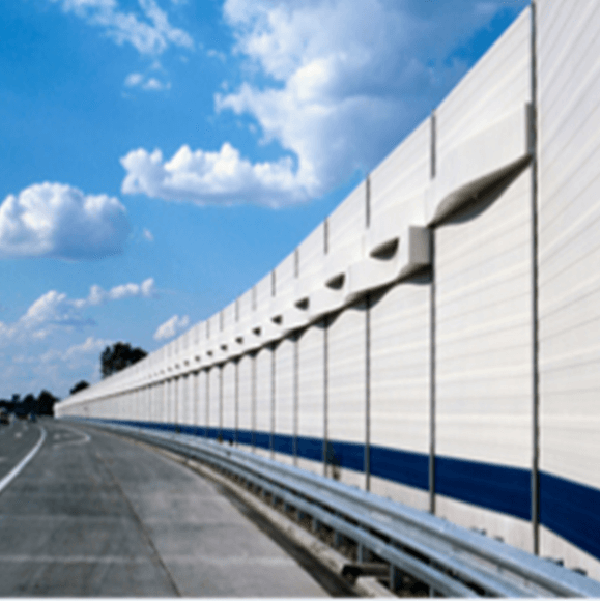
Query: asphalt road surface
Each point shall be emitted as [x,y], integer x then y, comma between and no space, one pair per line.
[92,514]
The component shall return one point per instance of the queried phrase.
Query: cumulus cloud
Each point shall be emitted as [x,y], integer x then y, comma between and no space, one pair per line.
[351,77]
[54,310]
[75,354]
[171,327]
[144,82]
[336,84]
[99,296]
[206,177]
[148,30]
[58,220]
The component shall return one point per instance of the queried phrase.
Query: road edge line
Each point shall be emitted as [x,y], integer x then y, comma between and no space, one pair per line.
[19,467]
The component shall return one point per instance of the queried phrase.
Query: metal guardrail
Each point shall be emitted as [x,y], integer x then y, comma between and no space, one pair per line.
[452,560]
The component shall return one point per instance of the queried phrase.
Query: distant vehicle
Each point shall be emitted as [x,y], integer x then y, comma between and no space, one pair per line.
[22,416]
[4,417]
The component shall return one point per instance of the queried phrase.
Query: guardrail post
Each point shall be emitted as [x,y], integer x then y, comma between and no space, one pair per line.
[395,578]
[360,553]
[337,539]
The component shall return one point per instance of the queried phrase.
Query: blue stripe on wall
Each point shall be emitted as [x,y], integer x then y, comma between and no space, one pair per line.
[572,511]
[567,508]
[496,487]
[350,455]
[283,443]
[310,448]
[404,467]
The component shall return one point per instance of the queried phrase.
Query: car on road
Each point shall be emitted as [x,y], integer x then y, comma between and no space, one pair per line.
[4,417]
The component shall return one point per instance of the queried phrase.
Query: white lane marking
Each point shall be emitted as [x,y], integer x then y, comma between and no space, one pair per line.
[137,560]
[120,559]
[18,434]
[17,469]
[86,438]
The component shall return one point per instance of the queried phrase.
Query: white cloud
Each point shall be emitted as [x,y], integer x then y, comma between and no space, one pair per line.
[143,82]
[336,83]
[54,310]
[74,352]
[99,296]
[207,177]
[352,76]
[148,235]
[171,327]
[155,85]
[58,220]
[149,32]
[133,80]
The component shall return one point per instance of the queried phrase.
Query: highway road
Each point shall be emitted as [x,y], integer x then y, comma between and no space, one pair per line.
[92,514]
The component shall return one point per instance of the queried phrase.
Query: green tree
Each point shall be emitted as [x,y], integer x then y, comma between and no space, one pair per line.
[45,403]
[119,356]
[81,385]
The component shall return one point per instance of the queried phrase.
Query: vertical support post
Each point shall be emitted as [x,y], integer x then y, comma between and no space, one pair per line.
[368,202]
[315,525]
[236,400]
[253,416]
[337,539]
[432,341]
[273,406]
[433,140]
[207,403]
[296,390]
[360,553]
[395,578]
[535,481]
[196,376]
[221,367]
[325,389]
[368,393]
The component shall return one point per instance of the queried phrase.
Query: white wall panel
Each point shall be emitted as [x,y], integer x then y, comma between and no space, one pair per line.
[169,405]
[569,239]
[498,84]
[229,386]
[310,254]
[569,285]
[202,401]
[152,403]
[284,394]
[346,389]
[311,392]
[263,396]
[400,388]
[348,222]
[245,404]
[284,278]
[214,397]
[195,397]
[484,331]
[263,299]
[245,306]
[402,174]
[177,398]
[186,416]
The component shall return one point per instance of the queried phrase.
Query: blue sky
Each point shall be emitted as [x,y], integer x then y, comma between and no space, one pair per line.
[158,157]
